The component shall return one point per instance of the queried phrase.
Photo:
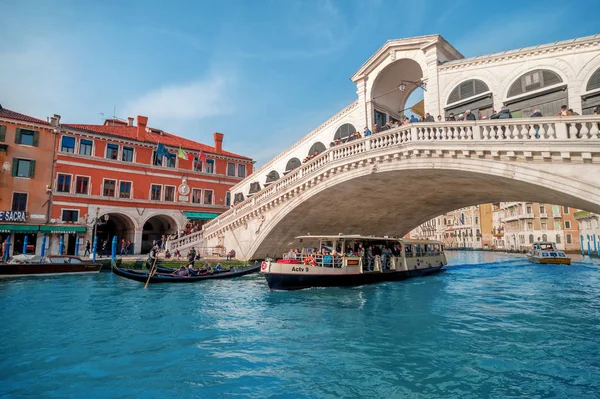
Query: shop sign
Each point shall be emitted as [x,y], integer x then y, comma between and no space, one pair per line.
[12,216]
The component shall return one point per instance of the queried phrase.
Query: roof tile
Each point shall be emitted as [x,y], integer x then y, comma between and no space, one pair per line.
[8,114]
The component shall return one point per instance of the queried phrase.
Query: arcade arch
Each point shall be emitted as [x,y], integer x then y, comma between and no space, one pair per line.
[541,89]
[117,224]
[292,164]
[344,131]
[317,147]
[591,99]
[155,227]
[473,94]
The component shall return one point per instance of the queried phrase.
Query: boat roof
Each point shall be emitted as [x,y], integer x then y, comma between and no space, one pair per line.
[370,238]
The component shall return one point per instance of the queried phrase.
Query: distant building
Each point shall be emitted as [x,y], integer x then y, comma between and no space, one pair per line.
[26,149]
[589,230]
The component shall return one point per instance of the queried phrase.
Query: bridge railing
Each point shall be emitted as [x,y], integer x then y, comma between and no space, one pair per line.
[517,130]
[180,242]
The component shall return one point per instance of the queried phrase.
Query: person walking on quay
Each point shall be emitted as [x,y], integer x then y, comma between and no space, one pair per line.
[192,256]
[128,249]
[88,248]
[123,247]
[104,247]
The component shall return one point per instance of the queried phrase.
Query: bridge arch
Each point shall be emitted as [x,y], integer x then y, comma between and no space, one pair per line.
[401,195]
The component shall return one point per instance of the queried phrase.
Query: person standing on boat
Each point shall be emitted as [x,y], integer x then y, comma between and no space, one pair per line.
[192,256]
[370,259]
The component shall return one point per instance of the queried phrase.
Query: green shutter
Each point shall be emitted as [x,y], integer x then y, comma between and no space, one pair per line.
[14,167]
[31,168]
[18,136]
[36,138]
[2,133]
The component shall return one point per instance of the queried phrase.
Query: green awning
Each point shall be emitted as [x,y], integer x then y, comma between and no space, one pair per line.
[18,228]
[63,229]
[200,215]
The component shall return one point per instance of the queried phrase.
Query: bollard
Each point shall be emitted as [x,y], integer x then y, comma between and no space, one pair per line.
[77,246]
[61,244]
[581,244]
[43,245]
[114,249]
[94,250]
[25,242]
[595,245]
[7,249]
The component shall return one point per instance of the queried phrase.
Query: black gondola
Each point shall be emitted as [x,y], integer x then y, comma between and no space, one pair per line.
[171,278]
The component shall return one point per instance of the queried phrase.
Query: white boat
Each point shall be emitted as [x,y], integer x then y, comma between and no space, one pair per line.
[546,252]
[348,260]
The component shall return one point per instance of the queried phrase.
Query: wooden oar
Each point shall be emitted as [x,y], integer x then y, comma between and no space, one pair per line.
[153,268]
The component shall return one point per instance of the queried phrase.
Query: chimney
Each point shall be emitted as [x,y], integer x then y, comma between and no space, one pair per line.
[129,121]
[142,121]
[55,120]
[218,142]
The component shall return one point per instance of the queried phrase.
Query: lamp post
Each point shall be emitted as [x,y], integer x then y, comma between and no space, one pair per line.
[95,222]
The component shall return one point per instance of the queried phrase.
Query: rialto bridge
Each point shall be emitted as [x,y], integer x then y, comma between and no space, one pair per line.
[392,181]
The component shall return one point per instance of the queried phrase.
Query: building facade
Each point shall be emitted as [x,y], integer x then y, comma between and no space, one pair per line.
[542,77]
[589,232]
[115,179]
[26,150]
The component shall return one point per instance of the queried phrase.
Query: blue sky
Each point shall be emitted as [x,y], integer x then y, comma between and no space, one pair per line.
[264,72]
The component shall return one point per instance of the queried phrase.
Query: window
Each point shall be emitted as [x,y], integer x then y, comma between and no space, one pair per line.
[82,185]
[230,169]
[85,147]
[208,197]
[63,183]
[127,154]
[569,239]
[467,89]
[156,159]
[112,151]
[19,202]
[169,193]
[543,224]
[196,196]
[210,166]
[558,238]
[557,225]
[566,210]
[227,198]
[531,238]
[26,137]
[2,133]
[241,170]
[125,189]
[544,237]
[69,215]
[344,131]
[171,161]
[23,167]
[529,226]
[108,189]
[567,224]
[197,165]
[529,209]
[67,144]
[533,80]
[476,219]
[542,209]
[155,192]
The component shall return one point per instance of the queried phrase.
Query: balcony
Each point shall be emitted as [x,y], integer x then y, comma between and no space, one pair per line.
[543,215]
[521,216]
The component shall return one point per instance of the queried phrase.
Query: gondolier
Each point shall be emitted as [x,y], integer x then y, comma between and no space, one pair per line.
[151,256]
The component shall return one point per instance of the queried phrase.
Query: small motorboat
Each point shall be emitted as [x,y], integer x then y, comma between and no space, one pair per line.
[170,277]
[547,253]
[35,265]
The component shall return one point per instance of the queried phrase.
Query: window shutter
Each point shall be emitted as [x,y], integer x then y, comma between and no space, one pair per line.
[31,168]
[594,82]
[2,133]
[18,136]
[14,167]
[36,138]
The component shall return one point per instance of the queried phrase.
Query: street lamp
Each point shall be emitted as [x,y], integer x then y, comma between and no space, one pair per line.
[95,222]
[418,83]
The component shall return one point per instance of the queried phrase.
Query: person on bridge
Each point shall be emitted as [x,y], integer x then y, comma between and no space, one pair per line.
[429,117]
[469,116]
[536,114]
[231,254]
[413,119]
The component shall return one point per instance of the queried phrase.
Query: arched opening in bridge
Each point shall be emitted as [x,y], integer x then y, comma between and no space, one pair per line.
[155,228]
[344,131]
[317,147]
[472,95]
[392,89]
[292,164]
[272,177]
[523,103]
[590,100]
[119,225]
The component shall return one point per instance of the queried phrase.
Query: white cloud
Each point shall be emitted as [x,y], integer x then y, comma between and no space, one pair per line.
[193,100]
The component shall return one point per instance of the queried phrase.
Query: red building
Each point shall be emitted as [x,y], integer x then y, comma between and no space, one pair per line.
[111,177]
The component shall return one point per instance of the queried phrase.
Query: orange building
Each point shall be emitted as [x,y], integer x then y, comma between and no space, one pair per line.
[111,177]
[26,149]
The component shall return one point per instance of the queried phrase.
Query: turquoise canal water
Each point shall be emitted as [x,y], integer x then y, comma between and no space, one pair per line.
[491,326]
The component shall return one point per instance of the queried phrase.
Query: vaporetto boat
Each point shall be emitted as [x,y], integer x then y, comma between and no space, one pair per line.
[349,260]
[546,252]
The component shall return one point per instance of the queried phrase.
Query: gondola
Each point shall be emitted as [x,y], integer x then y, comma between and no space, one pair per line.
[142,276]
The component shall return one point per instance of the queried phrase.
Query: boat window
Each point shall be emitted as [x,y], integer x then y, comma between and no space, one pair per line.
[58,259]
[75,261]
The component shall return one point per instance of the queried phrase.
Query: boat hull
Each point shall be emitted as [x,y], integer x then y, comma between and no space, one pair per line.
[285,281]
[549,261]
[47,269]
[167,278]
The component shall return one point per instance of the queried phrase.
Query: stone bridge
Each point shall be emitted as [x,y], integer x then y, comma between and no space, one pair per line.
[390,182]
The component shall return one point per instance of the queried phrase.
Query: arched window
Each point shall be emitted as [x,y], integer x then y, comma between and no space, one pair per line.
[533,80]
[531,238]
[558,238]
[467,89]
[292,164]
[544,237]
[548,101]
[594,82]
[239,197]
[254,187]
[344,131]
[317,147]
[272,176]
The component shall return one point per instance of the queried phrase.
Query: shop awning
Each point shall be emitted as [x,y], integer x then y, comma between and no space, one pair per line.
[63,229]
[200,215]
[18,228]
